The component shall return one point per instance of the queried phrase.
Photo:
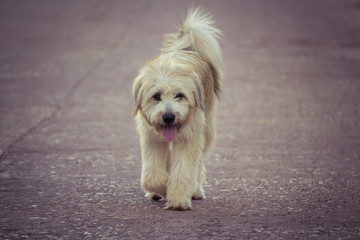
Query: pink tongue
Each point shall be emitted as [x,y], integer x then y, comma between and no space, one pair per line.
[168,133]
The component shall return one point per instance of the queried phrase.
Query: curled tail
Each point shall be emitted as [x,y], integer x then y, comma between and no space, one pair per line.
[197,33]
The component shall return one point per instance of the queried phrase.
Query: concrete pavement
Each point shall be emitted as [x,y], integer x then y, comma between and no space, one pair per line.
[287,160]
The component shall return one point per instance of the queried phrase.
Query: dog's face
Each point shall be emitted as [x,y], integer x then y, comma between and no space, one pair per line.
[167,92]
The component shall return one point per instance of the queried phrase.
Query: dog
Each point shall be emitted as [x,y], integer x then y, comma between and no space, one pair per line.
[175,95]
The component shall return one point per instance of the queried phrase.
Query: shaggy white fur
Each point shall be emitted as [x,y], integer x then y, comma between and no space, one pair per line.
[175,95]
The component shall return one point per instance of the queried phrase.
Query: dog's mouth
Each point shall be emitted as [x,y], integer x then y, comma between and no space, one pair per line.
[168,131]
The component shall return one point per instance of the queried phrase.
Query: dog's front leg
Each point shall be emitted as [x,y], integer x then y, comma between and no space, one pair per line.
[154,175]
[183,174]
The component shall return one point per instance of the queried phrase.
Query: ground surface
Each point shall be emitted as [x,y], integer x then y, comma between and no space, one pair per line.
[287,160]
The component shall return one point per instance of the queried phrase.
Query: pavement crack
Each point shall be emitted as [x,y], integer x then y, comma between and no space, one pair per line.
[60,105]
[28,132]
[58,108]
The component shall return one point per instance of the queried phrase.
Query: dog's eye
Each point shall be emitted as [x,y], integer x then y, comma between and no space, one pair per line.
[157,97]
[179,96]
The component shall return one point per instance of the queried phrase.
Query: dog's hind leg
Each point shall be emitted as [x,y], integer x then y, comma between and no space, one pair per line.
[199,192]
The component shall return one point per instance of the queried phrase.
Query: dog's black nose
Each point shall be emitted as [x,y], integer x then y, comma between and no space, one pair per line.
[168,118]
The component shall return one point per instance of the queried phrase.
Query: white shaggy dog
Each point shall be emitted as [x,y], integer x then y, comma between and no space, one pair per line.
[175,95]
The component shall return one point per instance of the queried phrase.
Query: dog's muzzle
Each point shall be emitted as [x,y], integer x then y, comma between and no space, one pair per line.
[168,131]
[168,118]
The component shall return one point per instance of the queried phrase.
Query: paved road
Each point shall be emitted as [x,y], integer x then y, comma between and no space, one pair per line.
[287,161]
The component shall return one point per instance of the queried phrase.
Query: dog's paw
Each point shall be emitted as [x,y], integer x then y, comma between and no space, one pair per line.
[156,197]
[179,205]
[152,196]
[199,195]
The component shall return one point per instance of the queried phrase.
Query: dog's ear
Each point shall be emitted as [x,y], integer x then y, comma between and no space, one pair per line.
[137,92]
[198,97]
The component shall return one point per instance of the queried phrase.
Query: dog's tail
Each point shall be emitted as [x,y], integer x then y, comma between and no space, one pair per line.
[197,33]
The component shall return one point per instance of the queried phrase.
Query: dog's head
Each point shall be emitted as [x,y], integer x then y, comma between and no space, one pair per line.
[169,90]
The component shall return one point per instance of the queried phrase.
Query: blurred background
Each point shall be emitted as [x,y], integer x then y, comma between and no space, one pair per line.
[286,163]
